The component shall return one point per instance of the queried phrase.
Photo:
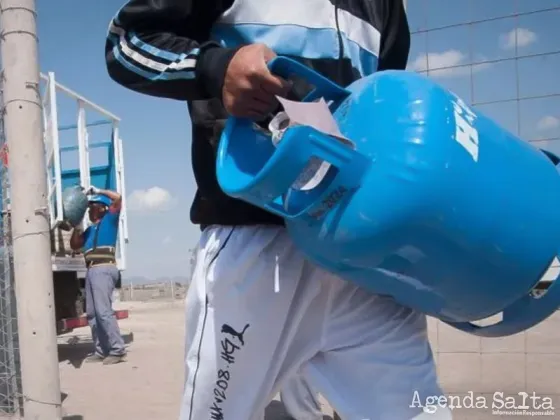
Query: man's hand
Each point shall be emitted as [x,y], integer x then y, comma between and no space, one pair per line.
[92,190]
[249,87]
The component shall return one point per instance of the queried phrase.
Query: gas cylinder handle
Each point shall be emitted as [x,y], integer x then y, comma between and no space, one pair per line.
[266,186]
[286,67]
[351,166]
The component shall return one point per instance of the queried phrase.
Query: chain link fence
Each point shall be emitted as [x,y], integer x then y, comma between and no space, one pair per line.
[167,289]
[10,375]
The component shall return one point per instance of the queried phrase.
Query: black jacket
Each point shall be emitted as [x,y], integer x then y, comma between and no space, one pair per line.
[180,49]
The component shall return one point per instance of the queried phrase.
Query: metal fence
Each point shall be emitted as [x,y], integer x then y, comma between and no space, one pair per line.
[164,291]
[10,375]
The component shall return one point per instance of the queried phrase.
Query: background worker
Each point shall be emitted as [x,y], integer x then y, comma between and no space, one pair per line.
[246,338]
[98,243]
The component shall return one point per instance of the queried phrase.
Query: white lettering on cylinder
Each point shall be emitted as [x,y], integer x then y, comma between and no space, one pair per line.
[465,134]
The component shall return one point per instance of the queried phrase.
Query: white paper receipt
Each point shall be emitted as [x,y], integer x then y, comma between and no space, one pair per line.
[313,114]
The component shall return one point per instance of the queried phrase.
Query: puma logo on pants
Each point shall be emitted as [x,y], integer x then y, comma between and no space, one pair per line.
[226,329]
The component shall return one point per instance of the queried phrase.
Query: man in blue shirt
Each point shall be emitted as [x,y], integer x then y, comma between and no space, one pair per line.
[98,243]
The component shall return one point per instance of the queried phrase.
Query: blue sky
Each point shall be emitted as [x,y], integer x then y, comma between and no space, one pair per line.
[156,133]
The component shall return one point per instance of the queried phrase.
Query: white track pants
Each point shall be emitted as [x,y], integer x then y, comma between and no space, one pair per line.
[258,313]
[300,400]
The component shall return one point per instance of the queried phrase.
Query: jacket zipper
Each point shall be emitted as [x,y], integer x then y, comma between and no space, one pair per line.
[340,42]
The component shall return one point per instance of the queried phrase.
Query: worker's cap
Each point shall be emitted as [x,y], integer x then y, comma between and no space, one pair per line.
[99,199]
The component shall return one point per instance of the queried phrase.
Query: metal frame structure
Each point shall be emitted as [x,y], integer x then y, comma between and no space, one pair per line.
[83,146]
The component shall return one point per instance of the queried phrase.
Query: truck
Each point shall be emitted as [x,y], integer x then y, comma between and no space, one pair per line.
[83,147]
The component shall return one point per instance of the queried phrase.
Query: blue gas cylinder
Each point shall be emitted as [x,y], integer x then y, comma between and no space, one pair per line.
[74,205]
[432,202]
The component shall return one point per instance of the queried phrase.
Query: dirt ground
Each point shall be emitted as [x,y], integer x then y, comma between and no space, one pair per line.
[149,385]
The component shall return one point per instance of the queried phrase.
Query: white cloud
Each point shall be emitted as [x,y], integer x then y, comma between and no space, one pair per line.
[167,240]
[523,36]
[445,64]
[151,199]
[548,123]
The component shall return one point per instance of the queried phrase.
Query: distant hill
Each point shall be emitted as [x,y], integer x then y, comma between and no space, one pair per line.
[139,280]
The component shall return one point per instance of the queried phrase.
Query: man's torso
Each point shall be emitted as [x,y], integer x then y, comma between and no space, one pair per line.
[338,38]
[100,240]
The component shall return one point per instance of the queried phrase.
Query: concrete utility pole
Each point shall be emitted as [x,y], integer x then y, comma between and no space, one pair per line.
[30,220]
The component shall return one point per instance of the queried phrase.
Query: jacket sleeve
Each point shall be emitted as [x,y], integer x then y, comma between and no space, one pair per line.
[395,39]
[162,48]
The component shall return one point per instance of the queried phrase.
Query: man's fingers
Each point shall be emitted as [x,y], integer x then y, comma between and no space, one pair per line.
[261,95]
[260,107]
[275,85]
[268,54]
[255,115]
[252,113]
[252,108]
